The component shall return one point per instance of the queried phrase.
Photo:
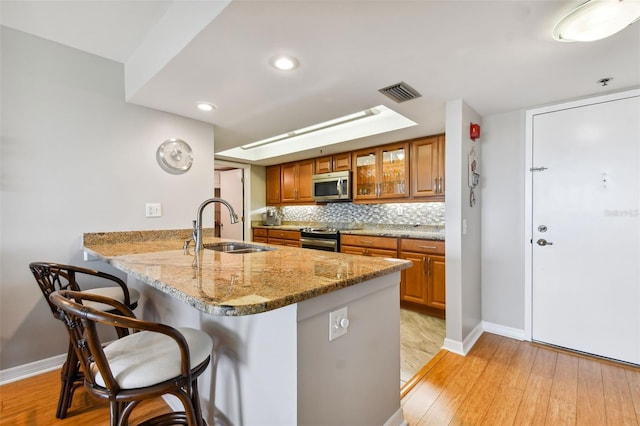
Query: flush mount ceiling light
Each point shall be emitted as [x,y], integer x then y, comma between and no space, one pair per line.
[597,19]
[285,63]
[204,106]
[369,122]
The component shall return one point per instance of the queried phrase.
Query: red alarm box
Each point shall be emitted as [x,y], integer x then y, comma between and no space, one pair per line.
[474,131]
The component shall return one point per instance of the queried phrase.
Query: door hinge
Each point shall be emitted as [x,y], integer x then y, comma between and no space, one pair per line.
[538,169]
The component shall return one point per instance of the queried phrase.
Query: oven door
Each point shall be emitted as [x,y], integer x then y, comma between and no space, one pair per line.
[319,244]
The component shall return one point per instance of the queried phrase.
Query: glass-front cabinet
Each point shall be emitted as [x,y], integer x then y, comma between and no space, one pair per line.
[381,172]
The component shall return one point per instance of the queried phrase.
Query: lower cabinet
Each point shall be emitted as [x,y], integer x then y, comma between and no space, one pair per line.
[369,246]
[260,235]
[284,237]
[422,287]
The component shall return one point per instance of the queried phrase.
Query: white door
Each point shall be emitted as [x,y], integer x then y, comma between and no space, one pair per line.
[232,190]
[586,233]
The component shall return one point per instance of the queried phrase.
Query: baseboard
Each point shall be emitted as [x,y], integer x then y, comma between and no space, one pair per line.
[454,346]
[397,419]
[31,369]
[173,402]
[501,330]
[463,348]
[472,338]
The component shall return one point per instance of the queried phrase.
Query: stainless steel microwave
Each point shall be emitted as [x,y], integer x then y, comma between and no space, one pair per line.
[331,186]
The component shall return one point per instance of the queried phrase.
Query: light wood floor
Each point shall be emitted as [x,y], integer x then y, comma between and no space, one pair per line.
[500,382]
[507,382]
[33,402]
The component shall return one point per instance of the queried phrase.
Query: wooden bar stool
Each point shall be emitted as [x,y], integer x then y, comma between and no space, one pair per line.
[150,360]
[53,276]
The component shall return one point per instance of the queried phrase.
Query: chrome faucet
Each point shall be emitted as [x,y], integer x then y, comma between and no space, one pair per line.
[197,225]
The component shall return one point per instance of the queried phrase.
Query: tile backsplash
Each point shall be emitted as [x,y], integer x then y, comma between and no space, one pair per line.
[366,214]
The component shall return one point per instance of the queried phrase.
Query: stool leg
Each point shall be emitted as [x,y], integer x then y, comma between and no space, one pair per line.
[68,377]
[195,401]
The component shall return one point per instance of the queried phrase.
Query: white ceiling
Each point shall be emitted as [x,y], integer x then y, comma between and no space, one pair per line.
[496,55]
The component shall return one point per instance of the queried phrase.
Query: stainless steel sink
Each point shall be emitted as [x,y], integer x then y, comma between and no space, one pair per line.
[238,248]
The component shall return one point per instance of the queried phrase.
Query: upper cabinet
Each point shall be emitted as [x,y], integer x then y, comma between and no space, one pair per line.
[410,170]
[334,163]
[427,167]
[295,181]
[273,184]
[381,172]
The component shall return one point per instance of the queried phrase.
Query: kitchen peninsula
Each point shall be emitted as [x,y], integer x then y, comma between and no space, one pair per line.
[269,315]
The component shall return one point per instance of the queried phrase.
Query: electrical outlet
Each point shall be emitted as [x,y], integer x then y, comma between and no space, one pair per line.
[400,211]
[153,209]
[338,323]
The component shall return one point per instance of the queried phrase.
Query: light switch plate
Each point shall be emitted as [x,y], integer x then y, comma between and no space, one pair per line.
[153,209]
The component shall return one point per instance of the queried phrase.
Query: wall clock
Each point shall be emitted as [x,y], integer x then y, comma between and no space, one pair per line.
[174,156]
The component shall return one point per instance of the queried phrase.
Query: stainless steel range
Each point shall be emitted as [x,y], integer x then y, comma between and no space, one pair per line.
[327,239]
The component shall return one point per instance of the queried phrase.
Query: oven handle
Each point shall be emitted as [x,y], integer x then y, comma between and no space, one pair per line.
[317,243]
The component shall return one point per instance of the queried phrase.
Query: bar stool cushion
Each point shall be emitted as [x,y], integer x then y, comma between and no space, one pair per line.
[147,358]
[113,293]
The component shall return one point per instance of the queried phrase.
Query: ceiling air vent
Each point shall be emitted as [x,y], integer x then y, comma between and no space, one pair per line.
[400,92]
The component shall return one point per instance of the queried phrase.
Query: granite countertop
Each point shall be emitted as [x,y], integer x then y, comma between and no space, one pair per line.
[282,227]
[420,232]
[220,283]
[399,233]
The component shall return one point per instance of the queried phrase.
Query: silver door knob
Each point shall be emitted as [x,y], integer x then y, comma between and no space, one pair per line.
[542,242]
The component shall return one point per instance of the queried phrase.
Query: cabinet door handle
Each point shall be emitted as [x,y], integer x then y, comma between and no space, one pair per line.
[428,266]
[428,247]
[424,265]
[366,242]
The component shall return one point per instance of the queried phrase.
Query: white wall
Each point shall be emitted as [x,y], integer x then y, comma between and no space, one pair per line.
[463,248]
[76,158]
[258,186]
[502,184]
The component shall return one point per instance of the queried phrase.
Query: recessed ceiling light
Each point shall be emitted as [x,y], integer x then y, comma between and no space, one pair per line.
[204,106]
[285,63]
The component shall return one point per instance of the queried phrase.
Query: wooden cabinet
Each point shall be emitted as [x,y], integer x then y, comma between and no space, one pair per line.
[368,245]
[381,172]
[295,181]
[260,235]
[427,167]
[284,237]
[334,163]
[422,287]
[273,185]
[411,170]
